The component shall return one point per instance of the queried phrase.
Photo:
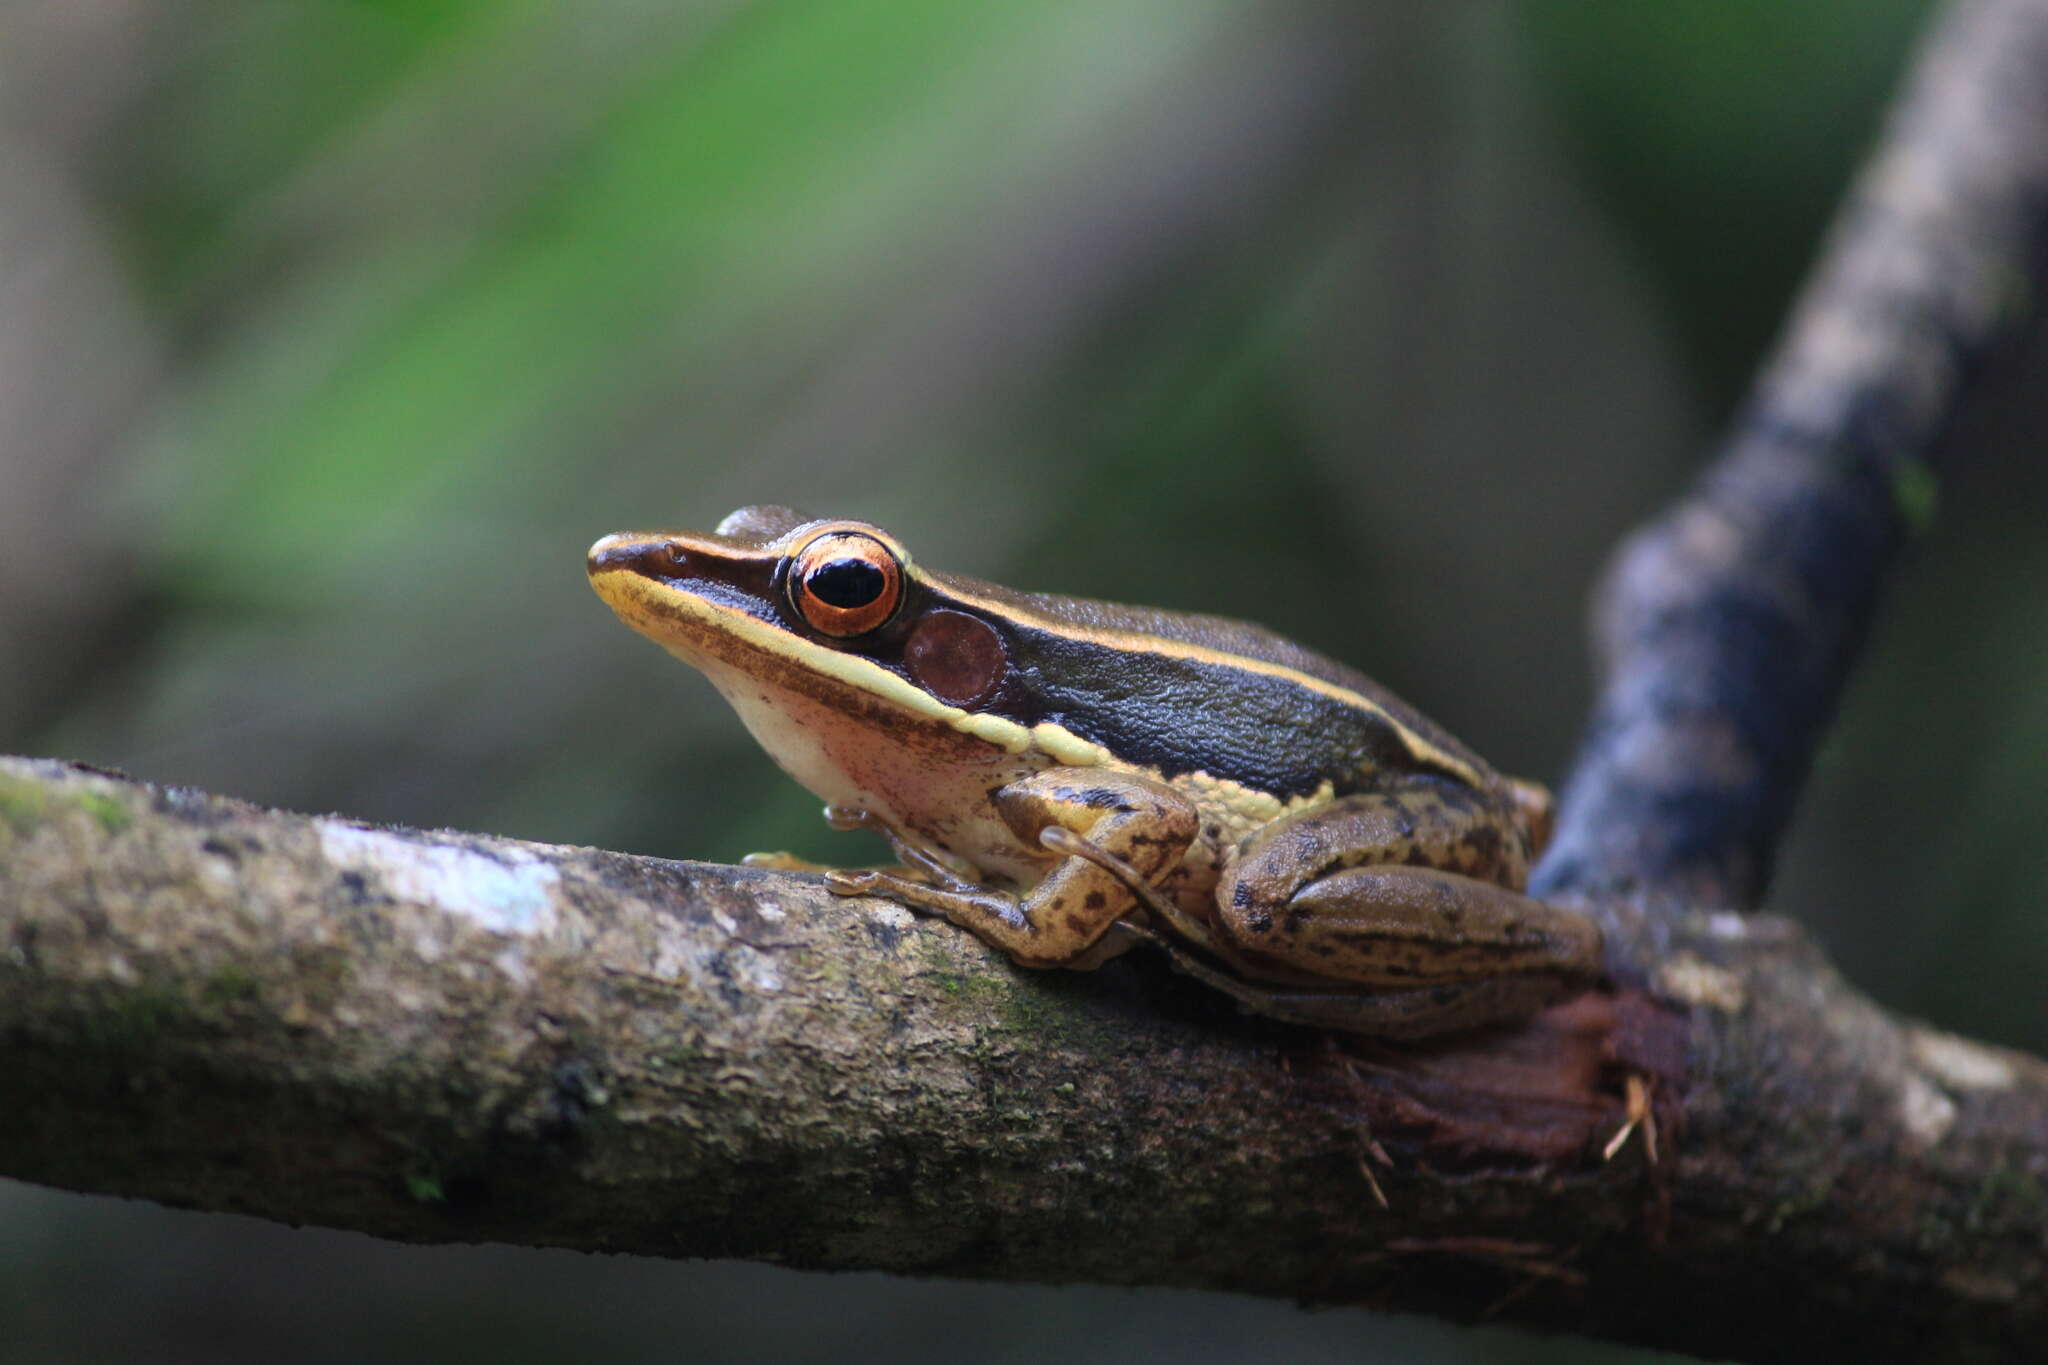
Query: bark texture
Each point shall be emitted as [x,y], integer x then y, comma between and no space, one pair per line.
[440,1036]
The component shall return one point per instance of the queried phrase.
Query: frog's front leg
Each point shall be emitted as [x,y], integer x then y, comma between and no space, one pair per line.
[1145,825]
[914,860]
[1413,896]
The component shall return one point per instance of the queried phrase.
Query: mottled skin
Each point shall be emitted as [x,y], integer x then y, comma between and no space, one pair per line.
[1066,777]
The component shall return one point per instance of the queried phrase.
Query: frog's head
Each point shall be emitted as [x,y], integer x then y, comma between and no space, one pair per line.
[812,623]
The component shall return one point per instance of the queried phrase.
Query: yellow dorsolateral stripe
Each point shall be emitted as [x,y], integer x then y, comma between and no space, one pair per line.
[1048,738]
[1133,643]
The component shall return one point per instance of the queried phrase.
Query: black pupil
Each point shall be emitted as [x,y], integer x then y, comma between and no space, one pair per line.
[845,583]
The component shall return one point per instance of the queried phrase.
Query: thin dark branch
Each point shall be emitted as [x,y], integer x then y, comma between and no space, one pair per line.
[1729,626]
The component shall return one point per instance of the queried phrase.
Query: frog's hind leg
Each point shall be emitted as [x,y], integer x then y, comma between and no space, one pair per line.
[1420,1012]
[1409,891]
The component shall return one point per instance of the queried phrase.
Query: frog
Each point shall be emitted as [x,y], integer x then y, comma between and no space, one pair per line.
[1067,778]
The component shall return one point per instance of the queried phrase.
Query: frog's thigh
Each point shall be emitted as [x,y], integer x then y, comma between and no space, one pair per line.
[1450,828]
[1394,927]
[1308,893]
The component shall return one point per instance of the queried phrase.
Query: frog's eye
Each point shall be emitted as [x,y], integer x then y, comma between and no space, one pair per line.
[845,583]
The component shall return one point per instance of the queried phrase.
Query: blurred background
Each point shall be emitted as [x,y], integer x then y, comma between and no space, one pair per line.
[332,333]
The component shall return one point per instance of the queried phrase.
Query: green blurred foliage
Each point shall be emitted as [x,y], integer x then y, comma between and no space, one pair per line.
[1377,323]
[1718,134]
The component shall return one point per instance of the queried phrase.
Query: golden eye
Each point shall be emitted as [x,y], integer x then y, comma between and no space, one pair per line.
[844,583]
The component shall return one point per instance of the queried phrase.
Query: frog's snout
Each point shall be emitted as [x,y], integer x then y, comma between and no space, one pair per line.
[629,552]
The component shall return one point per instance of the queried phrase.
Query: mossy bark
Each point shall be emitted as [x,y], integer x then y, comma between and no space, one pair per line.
[440,1036]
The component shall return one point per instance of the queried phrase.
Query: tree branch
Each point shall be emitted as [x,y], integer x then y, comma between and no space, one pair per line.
[1729,626]
[439,1036]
